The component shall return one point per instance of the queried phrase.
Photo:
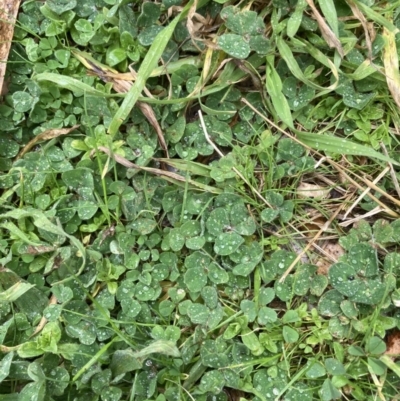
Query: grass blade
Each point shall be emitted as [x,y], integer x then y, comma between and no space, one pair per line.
[333,144]
[391,63]
[376,17]
[279,101]
[287,55]
[146,68]
[72,84]
[329,11]
[388,361]
[14,292]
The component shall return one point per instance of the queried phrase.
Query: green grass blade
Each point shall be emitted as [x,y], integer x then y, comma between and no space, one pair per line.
[364,70]
[329,11]
[72,84]
[388,361]
[146,68]
[295,19]
[13,293]
[376,17]
[279,101]
[333,144]
[287,55]
[188,166]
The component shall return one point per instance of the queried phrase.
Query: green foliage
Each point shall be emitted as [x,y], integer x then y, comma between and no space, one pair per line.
[144,258]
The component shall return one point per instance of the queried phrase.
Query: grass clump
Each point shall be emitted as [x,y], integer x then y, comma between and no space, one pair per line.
[200,201]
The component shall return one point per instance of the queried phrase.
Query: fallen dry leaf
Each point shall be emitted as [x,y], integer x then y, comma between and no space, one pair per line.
[391,64]
[43,320]
[306,190]
[8,14]
[393,344]
[332,252]
[45,136]
[148,112]
[326,31]
[38,250]
[369,29]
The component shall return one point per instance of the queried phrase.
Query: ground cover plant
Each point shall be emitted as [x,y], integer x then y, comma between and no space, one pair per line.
[200,201]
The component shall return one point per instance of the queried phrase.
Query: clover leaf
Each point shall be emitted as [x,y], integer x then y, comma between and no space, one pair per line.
[280,207]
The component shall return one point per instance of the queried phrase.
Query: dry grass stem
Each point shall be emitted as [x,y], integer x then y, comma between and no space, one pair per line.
[365,192]
[372,212]
[369,31]
[311,243]
[326,31]
[8,14]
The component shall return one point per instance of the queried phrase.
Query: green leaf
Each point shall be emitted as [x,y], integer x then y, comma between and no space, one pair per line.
[5,365]
[388,361]
[115,56]
[145,70]
[29,349]
[376,366]
[243,22]
[375,346]
[250,340]
[334,367]
[336,145]
[234,45]
[266,315]
[274,88]
[15,291]
[290,335]
[329,392]
[377,17]
[269,215]
[214,353]
[295,19]
[217,275]
[78,178]
[315,370]
[175,132]
[60,6]
[266,296]
[286,53]
[290,316]
[149,15]
[83,25]
[351,283]
[356,350]
[22,101]
[124,361]
[249,309]
[198,313]
[73,84]
[227,243]
[212,381]
[195,279]
[329,11]
[164,347]
[33,391]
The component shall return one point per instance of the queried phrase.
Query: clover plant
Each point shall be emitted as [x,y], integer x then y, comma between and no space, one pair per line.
[144,257]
